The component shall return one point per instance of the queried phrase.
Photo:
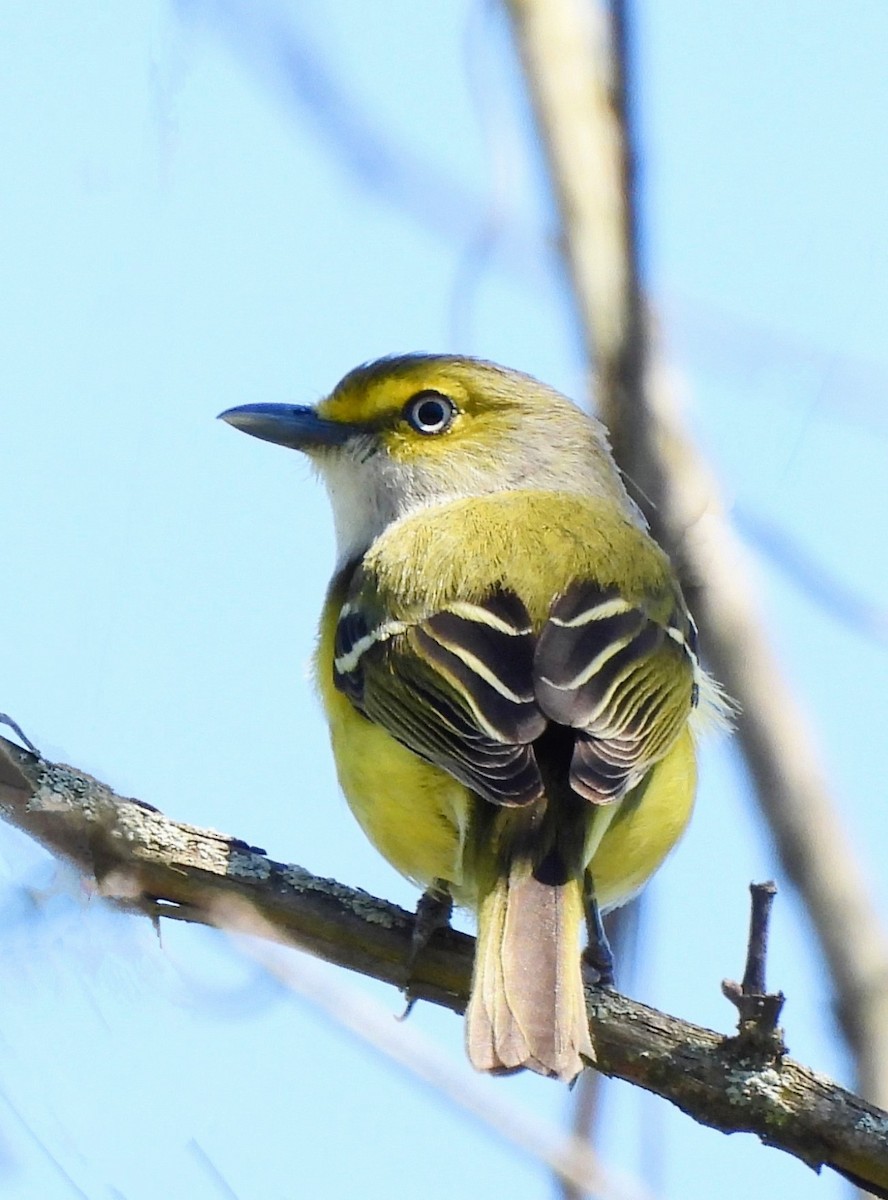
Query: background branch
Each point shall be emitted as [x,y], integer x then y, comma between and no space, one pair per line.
[147,862]
[577,66]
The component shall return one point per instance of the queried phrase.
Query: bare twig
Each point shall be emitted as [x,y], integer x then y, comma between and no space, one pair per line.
[759,919]
[143,861]
[759,1009]
[19,733]
[577,81]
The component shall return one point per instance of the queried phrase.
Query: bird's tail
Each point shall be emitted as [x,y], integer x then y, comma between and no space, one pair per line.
[527,1007]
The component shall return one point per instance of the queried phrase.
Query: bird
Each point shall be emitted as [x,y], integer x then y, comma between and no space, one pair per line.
[509,672]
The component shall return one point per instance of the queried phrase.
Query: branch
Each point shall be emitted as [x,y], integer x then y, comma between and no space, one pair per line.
[576,66]
[146,862]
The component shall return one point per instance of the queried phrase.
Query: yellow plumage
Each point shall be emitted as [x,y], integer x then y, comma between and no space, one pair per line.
[507,668]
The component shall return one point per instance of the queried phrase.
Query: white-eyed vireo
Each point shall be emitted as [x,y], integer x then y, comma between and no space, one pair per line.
[508,669]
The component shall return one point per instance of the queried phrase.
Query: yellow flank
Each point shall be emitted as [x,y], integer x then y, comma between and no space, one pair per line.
[421,563]
[646,826]
[413,813]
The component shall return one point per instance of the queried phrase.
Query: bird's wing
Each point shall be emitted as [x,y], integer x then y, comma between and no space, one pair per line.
[456,687]
[623,675]
[471,687]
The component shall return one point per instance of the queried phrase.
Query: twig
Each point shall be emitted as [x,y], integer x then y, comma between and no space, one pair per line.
[146,862]
[762,895]
[19,732]
[759,1010]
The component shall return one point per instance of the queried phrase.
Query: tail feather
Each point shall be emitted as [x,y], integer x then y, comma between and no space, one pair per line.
[527,1007]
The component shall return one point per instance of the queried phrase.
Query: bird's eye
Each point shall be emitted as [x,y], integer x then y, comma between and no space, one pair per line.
[430,412]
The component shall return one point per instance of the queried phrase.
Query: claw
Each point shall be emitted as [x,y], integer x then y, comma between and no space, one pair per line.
[432,913]
[598,954]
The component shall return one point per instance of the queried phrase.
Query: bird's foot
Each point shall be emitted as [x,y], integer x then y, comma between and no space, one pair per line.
[432,913]
[598,954]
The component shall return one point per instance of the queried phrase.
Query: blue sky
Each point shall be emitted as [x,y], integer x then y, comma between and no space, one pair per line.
[182,231]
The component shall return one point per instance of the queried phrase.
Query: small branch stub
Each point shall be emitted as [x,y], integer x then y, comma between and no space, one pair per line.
[759,1009]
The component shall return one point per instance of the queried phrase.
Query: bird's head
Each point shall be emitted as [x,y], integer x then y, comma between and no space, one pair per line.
[403,433]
